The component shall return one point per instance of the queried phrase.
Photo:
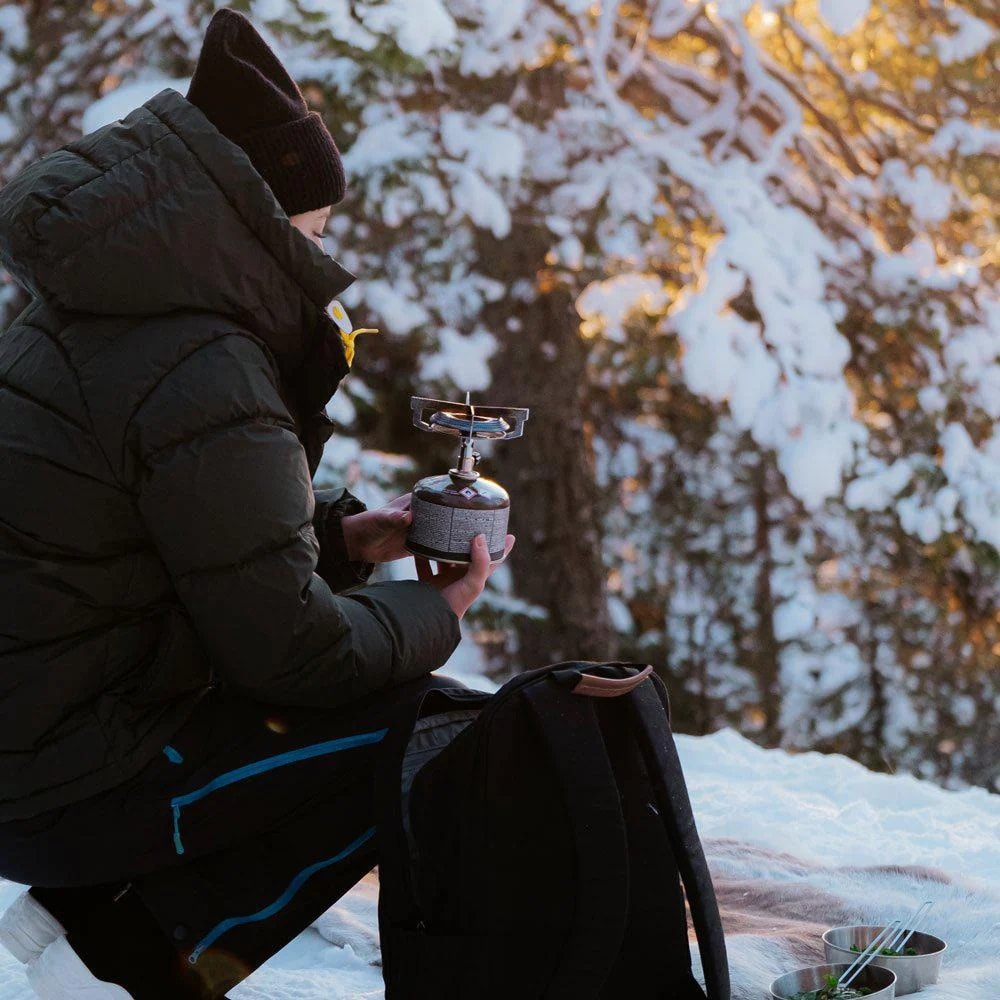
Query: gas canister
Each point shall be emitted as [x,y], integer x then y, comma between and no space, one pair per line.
[449,510]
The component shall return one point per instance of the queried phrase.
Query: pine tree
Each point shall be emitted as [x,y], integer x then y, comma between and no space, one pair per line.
[739,260]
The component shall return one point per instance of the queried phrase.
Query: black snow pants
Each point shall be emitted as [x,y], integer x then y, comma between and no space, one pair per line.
[252,822]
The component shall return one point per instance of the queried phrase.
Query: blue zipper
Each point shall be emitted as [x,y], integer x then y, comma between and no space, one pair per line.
[267,764]
[282,901]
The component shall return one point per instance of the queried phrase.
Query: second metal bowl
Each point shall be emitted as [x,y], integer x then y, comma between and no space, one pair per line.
[882,982]
[913,972]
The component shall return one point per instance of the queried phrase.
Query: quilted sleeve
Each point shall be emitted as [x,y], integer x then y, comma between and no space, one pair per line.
[225,494]
[337,569]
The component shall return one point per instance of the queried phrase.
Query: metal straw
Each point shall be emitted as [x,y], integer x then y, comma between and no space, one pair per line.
[861,962]
[914,929]
[919,917]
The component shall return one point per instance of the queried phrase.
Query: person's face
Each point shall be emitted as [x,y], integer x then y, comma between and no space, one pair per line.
[312,224]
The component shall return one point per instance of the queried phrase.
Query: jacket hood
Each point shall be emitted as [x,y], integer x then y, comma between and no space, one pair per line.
[160,211]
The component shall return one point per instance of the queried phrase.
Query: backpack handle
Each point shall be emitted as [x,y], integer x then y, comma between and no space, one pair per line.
[609,687]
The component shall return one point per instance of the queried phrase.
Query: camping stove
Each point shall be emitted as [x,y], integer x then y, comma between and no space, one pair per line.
[450,510]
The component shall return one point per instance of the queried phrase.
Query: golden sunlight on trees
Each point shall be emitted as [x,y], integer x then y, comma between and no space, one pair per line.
[739,258]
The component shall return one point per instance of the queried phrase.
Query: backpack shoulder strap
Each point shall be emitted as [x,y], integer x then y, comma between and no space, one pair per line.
[569,730]
[396,890]
[648,702]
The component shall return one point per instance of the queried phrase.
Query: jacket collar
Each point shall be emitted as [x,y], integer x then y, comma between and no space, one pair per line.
[160,212]
[287,306]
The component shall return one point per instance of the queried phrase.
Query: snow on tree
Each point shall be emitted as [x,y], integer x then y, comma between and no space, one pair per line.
[739,259]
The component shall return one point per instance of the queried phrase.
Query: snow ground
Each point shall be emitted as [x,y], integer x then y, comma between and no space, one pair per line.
[796,843]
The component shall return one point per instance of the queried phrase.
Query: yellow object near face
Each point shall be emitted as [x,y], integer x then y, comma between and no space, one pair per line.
[311,224]
[339,315]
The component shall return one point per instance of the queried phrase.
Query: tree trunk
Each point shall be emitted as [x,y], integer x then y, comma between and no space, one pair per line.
[766,645]
[555,510]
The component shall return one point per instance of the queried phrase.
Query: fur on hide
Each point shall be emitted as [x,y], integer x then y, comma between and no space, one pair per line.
[775,908]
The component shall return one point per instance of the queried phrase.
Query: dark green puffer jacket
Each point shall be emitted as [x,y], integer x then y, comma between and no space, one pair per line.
[161,418]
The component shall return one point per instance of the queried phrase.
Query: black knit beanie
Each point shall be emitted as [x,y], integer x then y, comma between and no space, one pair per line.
[247,94]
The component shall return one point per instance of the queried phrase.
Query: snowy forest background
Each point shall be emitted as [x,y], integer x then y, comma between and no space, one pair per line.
[739,259]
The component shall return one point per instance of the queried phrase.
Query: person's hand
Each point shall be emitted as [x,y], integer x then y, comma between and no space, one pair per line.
[378,535]
[459,584]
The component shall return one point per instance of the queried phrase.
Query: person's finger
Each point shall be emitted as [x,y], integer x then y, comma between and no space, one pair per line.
[389,513]
[480,565]
[401,502]
[507,546]
[424,571]
[388,519]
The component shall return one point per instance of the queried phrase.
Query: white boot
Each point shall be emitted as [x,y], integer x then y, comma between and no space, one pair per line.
[27,928]
[59,974]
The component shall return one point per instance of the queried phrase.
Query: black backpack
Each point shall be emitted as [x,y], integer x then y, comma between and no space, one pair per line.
[532,845]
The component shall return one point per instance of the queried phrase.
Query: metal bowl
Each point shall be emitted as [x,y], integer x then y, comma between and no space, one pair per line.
[913,972]
[882,982]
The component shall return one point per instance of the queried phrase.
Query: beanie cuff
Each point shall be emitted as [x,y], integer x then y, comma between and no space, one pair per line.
[300,163]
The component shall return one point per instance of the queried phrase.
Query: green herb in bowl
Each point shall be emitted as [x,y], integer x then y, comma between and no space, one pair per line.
[909,952]
[832,991]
